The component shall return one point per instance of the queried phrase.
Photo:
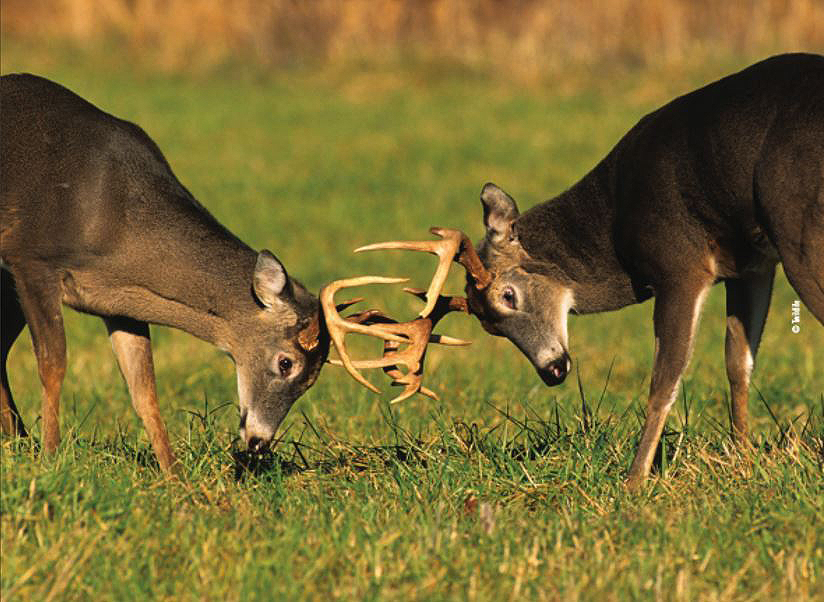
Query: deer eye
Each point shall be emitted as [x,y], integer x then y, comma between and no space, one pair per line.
[508,297]
[285,366]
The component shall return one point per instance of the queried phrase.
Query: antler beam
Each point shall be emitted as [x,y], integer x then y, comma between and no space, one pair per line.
[405,343]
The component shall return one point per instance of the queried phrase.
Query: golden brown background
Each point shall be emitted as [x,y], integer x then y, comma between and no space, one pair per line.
[527,38]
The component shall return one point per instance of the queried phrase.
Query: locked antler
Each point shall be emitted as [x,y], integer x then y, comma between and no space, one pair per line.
[412,352]
[454,245]
[405,343]
[338,327]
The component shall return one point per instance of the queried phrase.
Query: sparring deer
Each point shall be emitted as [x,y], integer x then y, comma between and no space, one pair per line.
[93,217]
[718,185]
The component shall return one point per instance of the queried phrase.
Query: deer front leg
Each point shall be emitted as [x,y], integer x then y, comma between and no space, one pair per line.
[675,318]
[133,348]
[39,294]
[748,301]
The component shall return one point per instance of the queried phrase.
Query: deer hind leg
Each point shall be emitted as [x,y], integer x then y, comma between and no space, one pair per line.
[677,309]
[12,322]
[39,293]
[748,301]
[133,348]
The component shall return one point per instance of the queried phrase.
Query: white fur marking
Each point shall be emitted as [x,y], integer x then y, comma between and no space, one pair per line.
[244,393]
[696,312]
[256,428]
[567,302]
[552,351]
[749,363]
[673,396]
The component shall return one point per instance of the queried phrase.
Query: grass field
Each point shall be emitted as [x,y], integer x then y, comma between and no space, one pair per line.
[504,489]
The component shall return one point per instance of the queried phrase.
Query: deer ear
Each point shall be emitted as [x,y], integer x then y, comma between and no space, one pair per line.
[270,281]
[500,211]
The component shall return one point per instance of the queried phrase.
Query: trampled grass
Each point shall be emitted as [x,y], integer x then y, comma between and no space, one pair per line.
[503,490]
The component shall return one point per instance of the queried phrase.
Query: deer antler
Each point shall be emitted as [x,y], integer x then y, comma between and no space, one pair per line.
[454,245]
[420,331]
[405,343]
[419,334]
[338,327]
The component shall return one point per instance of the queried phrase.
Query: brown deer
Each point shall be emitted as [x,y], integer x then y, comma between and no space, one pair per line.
[718,185]
[93,217]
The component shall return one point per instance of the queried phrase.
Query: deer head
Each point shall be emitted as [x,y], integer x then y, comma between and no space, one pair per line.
[523,301]
[528,308]
[290,343]
[508,291]
[282,351]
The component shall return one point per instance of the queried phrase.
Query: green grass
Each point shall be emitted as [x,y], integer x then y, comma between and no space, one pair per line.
[503,490]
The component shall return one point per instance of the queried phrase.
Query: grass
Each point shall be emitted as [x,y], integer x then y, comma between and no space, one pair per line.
[503,490]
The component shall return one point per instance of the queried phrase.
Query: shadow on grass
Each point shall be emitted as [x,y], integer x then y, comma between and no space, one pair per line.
[326,459]
[592,434]
[532,438]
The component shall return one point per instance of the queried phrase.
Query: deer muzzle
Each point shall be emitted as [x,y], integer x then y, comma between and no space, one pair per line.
[255,433]
[555,371]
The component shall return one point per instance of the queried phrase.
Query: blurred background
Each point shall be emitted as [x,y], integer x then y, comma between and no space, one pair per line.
[525,38]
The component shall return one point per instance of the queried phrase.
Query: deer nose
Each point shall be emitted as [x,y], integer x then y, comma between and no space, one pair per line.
[256,444]
[554,372]
[256,435]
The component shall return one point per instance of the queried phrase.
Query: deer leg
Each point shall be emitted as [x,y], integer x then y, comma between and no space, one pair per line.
[12,322]
[133,348]
[675,318]
[748,301]
[40,297]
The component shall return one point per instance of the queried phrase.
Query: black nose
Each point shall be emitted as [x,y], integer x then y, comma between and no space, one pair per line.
[555,371]
[256,444]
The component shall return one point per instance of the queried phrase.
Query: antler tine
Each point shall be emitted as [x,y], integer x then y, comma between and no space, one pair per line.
[338,327]
[443,305]
[371,317]
[411,382]
[419,333]
[445,249]
[410,389]
[348,303]
[468,258]
[327,303]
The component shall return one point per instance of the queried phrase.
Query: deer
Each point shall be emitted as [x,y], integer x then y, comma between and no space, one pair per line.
[92,217]
[718,185]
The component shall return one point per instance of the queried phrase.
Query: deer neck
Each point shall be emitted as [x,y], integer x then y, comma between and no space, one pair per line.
[570,237]
[212,298]
[197,279]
